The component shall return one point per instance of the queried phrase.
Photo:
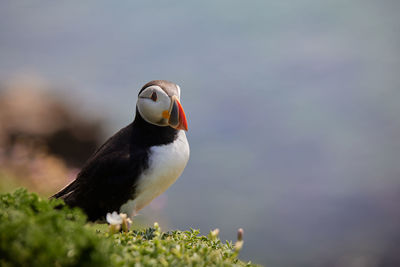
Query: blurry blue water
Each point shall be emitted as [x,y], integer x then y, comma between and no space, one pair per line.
[292,108]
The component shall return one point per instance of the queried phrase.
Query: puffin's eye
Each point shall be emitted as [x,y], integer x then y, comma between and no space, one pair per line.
[154,96]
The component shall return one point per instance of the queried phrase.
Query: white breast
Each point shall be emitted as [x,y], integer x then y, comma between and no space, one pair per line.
[166,164]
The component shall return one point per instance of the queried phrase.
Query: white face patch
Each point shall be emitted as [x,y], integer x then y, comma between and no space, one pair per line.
[151,103]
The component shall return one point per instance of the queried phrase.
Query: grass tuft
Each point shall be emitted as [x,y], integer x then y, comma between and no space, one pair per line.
[34,233]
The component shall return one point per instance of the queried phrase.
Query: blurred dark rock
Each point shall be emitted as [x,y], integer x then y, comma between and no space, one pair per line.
[32,115]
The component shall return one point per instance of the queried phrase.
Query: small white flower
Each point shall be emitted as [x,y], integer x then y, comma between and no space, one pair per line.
[114,218]
[214,233]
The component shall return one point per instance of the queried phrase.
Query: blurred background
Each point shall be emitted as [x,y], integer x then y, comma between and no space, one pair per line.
[293,112]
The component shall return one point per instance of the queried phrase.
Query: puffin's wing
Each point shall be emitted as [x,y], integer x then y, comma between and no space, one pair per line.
[100,152]
[108,179]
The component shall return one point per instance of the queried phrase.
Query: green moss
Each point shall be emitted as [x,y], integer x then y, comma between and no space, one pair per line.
[34,233]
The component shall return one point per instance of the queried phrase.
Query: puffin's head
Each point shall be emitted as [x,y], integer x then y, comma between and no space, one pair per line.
[158,104]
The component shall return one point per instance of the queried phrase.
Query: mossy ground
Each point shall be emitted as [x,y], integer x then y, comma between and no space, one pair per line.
[34,233]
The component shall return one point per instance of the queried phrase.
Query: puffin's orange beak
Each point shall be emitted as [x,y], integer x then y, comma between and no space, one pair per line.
[177,117]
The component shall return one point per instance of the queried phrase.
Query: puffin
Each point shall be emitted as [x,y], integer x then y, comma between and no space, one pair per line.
[139,162]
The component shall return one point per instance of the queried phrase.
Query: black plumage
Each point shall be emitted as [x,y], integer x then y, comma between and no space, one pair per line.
[109,177]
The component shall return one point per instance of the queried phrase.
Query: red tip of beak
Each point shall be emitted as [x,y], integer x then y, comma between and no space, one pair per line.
[182,118]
